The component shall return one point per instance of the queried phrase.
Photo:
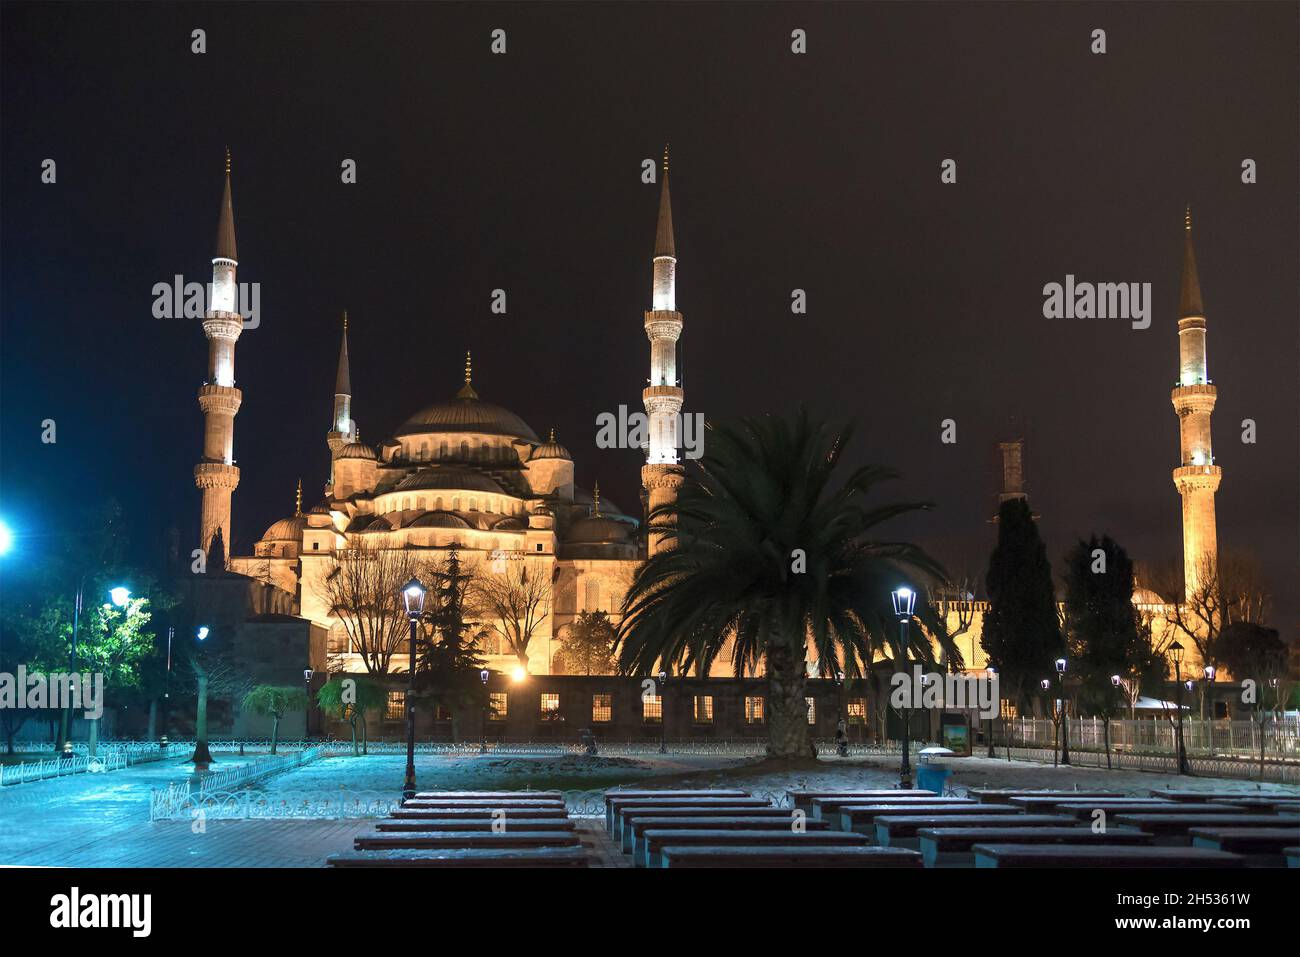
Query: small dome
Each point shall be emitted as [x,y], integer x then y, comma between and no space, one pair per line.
[463,415]
[460,480]
[286,530]
[550,449]
[597,530]
[356,450]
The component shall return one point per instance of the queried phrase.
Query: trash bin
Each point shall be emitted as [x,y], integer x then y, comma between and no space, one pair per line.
[933,772]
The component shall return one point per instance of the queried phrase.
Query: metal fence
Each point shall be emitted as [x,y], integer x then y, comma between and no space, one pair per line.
[1281,736]
[110,759]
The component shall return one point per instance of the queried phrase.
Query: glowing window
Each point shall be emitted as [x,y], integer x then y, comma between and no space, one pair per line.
[812,710]
[551,707]
[602,707]
[497,706]
[753,710]
[652,709]
[704,709]
[857,710]
[395,709]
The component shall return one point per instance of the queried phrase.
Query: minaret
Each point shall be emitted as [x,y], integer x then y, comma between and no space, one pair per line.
[1013,474]
[1197,477]
[343,429]
[662,474]
[216,474]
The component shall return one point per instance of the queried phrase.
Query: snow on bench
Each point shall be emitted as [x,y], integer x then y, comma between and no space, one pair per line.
[1198,797]
[668,793]
[900,830]
[1059,800]
[829,807]
[470,795]
[1259,804]
[421,803]
[791,856]
[1004,795]
[460,857]
[1175,829]
[476,813]
[942,846]
[803,800]
[616,806]
[629,818]
[377,840]
[1099,856]
[861,817]
[1084,809]
[512,823]
[653,840]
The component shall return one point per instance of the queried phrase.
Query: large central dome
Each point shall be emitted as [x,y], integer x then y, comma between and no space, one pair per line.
[468,415]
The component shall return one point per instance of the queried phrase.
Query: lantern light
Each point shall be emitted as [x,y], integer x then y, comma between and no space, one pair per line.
[413,596]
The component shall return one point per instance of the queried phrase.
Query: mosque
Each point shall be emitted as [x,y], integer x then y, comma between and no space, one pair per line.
[467,474]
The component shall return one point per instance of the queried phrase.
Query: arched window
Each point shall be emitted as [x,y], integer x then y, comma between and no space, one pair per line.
[419,503]
[473,505]
[438,501]
[442,450]
[464,450]
[455,504]
[593,595]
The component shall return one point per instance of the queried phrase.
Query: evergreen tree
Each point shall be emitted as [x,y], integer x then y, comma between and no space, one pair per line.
[447,653]
[1022,634]
[1104,637]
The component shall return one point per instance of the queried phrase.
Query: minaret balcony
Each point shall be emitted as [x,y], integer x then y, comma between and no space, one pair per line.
[1196,477]
[1194,398]
[219,324]
[220,399]
[662,398]
[662,324]
[216,475]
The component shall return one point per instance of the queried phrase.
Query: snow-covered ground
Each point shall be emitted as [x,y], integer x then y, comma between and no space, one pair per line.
[385,773]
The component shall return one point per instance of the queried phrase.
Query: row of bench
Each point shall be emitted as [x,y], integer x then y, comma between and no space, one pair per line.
[471,829]
[989,828]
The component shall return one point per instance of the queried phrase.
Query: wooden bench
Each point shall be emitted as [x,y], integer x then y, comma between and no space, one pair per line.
[946,846]
[460,858]
[1263,846]
[1004,795]
[479,813]
[617,806]
[739,822]
[378,840]
[623,834]
[1174,830]
[1260,804]
[860,818]
[1084,809]
[472,795]
[417,804]
[803,800]
[1198,797]
[829,807]
[654,839]
[611,796]
[1107,856]
[478,824]
[790,856]
[1057,801]
[900,830]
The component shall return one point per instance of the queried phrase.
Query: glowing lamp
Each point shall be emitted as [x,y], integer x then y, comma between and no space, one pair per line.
[1176,653]
[1060,666]
[6,538]
[519,674]
[202,632]
[413,596]
[904,601]
[483,676]
[119,595]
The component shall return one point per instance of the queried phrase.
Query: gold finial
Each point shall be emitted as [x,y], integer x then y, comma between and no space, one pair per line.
[469,368]
[297,502]
[1187,219]
[665,157]
[227,160]
[595,498]
[345,322]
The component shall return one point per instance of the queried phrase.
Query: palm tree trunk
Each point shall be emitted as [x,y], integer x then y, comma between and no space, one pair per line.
[275,730]
[202,756]
[787,682]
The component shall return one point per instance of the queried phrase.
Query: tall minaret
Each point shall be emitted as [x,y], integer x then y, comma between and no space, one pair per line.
[662,473]
[343,429]
[216,474]
[1197,477]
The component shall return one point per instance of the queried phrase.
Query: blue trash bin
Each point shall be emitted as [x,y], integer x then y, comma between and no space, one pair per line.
[931,777]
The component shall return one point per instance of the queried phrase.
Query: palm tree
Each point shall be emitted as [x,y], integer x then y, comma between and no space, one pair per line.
[275,701]
[762,548]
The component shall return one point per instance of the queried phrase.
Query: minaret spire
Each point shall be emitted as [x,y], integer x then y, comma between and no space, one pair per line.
[467,390]
[297,500]
[343,429]
[662,474]
[216,475]
[1197,478]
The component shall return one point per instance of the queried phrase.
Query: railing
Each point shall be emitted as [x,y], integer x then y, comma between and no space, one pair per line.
[1221,766]
[111,759]
[254,770]
[1209,737]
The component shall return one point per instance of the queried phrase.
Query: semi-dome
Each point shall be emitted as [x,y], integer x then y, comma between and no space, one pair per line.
[550,449]
[286,530]
[440,520]
[356,450]
[460,480]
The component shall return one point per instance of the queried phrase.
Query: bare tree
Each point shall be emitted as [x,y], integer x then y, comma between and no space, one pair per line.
[516,600]
[955,602]
[363,590]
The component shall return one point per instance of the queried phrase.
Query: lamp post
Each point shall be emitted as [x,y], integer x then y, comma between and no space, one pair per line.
[306,708]
[841,729]
[663,712]
[483,676]
[1065,712]
[1206,689]
[1046,685]
[993,680]
[1176,653]
[904,605]
[413,597]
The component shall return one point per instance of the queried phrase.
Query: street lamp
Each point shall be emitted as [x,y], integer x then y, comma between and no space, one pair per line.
[306,708]
[413,597]
[1206,688]
[841,730]
[119,596]
[202,633]
[1065,713]
[993,677]
[663,712]
[904,605]
[1176,653]
[483,676]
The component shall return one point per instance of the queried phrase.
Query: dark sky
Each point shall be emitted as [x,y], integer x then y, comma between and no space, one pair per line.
[522,171]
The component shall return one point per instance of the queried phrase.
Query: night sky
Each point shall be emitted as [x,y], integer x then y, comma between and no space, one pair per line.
[522,171]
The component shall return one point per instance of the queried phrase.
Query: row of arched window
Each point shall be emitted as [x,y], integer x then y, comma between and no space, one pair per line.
[484,451]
